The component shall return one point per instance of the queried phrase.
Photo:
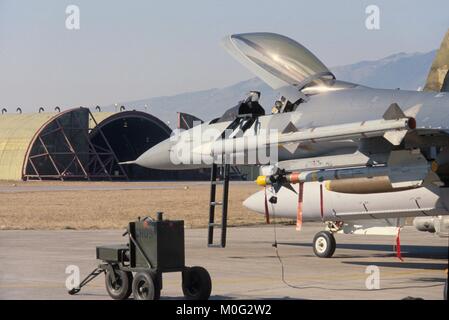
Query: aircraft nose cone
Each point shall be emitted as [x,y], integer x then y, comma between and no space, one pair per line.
[157,157]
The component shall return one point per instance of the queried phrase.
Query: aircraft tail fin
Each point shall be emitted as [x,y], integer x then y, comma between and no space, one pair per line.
[187,121]
[438,78]
[445,87]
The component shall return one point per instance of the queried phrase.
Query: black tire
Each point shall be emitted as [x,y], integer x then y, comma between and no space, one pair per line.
[196,283]
[324,244]
[412,298]
[157,285]
[121,288]
[445,290]
[145,287]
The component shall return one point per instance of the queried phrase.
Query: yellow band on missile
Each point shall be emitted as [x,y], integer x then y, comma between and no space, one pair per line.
[261,181]
[434,166]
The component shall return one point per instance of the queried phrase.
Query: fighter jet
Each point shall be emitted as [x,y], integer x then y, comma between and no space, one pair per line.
[359,159]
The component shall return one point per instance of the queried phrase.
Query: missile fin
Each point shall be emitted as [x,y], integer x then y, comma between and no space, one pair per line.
[290,128]
[413,111]
[394,112]
[433,178]
[291,147]
[395,137]
[289,187]
[407,168]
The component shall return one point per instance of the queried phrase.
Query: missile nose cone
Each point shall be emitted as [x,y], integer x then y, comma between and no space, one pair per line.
[157,157]
[256,202]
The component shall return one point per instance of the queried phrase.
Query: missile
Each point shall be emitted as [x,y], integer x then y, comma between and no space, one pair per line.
[341,174]
[404,169]
[393,130]
[399,177]
[324,175]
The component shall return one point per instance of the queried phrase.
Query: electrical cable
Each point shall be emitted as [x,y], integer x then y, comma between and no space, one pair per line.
[281,262]
[275,246]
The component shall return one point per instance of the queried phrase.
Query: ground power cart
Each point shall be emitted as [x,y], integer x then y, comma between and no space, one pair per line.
[154,247]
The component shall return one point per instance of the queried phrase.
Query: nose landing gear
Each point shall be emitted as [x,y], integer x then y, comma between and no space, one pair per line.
[324,244]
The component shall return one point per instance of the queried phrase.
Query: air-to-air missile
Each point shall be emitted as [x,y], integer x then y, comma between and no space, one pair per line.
[393,130]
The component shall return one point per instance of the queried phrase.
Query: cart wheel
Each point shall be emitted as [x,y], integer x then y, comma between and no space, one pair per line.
[120,289]
[145,286]
[196,283]
[74,291]
[157,285]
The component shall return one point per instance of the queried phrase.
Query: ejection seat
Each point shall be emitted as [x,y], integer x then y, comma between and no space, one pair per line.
[243,117]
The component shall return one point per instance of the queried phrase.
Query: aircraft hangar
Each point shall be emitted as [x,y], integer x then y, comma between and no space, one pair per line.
[78,144]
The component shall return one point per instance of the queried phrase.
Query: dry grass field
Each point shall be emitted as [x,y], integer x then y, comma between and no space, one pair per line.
[48,205]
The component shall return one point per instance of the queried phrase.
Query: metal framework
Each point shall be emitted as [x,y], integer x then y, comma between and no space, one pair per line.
[62,150]
[103,158]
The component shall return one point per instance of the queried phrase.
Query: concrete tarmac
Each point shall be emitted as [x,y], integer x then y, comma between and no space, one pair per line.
[33,264]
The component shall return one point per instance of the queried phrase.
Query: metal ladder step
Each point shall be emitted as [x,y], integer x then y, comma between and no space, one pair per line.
[215,246]
[215,224]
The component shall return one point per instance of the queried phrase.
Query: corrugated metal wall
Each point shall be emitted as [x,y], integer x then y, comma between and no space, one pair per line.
[16,133]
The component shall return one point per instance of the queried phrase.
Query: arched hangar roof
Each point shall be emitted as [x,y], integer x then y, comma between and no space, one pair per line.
[129,134]
[28,135]
[102,119]
[17,131]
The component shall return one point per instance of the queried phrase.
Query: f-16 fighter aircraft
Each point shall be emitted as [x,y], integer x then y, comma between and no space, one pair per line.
[358,159]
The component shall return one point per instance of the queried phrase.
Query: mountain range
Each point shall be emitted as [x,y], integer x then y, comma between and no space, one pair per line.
[406,71]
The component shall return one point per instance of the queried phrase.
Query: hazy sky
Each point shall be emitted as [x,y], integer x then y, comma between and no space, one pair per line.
[127,50]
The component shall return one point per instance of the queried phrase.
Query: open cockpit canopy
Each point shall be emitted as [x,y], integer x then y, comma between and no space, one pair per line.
[278,60]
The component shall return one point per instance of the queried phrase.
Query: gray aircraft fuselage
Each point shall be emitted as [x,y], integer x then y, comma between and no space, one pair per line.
[354,104]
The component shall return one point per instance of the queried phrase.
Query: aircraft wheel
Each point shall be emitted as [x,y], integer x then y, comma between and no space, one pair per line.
[120,287]
[145,287]
[324,244]
[196,283]
[445,290]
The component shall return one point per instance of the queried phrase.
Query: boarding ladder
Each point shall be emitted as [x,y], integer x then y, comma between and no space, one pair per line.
[219,176]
